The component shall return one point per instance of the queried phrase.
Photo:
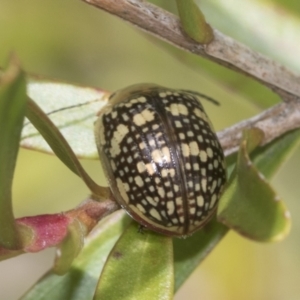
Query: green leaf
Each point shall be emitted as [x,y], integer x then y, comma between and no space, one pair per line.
[140,266]
[80,282]
[12,110]
[190,252]
[193,22]
[61,147]
[72,109]
[249,205]
[69,248]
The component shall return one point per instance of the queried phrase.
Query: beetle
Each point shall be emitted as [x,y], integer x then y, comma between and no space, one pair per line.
[162,158]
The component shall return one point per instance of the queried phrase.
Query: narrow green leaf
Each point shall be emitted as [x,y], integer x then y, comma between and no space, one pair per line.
[140,266]
[249,205]
[193,22]
[12,110]
[190,252]
[69,248]
[73,109]
[80,282]
[61,147]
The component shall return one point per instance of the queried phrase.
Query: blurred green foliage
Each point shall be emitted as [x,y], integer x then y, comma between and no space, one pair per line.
[72,41]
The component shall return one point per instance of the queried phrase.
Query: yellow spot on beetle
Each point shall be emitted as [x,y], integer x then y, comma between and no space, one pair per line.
[197,187]
[150,168]
[151,201]
[209,152]
[142,99]
[166,172]
[213,201]
[170,207]
[200,201]
[161,192]
[122,190]
[166,154]
[194,148]
[142,145]
[139,181]
[154,213]
[182,109]
[118,136]
[141,167]
[177,109]
[204,184]
[114,114]
[142,118]
[178,201]
[216,163]
[213,187]
[156,156]
[141,208]
[185,150]
[192,210]
[203,156]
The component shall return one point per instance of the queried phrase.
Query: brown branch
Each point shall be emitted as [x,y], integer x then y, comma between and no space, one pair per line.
[274,122]
[223,49]
[91,211]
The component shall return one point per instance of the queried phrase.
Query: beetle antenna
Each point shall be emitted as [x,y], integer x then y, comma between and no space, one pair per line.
[202,96]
